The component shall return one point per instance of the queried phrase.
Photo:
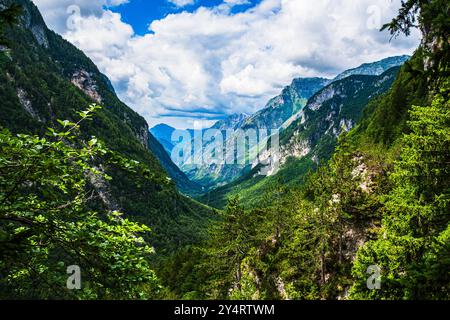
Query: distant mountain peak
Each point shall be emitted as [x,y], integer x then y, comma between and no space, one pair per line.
[163,133]
[279,113]
[162,126]
[374,68]
[296,81]
[233,121]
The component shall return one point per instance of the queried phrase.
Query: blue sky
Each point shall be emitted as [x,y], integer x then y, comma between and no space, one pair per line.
[180,61]
[140,13]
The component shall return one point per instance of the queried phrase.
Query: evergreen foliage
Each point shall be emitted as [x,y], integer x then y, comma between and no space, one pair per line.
[413,245]
[378,197]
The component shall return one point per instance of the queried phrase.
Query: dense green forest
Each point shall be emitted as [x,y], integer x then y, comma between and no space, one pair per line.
[379,205]
[47,84]
[87,191]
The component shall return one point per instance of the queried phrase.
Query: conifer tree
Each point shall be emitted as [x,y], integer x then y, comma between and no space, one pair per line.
[413,246]
[8,17]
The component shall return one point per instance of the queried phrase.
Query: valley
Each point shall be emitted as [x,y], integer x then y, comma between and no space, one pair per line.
[310,114]
[341,177]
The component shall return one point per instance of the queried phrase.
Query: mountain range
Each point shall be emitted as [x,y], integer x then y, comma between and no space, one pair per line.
[360,183]
[284,112]
[311,139]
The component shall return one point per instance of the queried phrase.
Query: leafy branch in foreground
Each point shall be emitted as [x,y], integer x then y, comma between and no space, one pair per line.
[52,216]
[432,17]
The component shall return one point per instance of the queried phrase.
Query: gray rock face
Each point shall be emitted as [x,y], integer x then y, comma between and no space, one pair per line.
[83,80]
[316,102]
[143,135]
[26,104]
[332,111]
[39,34]
[292,99]
[234,122]
[104,191]
[33,22]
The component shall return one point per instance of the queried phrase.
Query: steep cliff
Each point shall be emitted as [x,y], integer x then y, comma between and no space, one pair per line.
[44,78]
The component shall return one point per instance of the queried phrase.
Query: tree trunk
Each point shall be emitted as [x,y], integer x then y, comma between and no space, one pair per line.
[239,276]
[322,265]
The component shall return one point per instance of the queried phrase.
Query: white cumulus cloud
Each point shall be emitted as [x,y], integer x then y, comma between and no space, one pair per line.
[209,62]
[182,3]
[57,12]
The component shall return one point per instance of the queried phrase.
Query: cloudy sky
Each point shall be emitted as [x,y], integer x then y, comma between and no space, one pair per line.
[176,61]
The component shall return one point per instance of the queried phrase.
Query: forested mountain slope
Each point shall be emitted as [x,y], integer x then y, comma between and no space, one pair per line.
[279,113]
[276,112]
[44,78]
[359,210]
[312,138]
[373,222]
